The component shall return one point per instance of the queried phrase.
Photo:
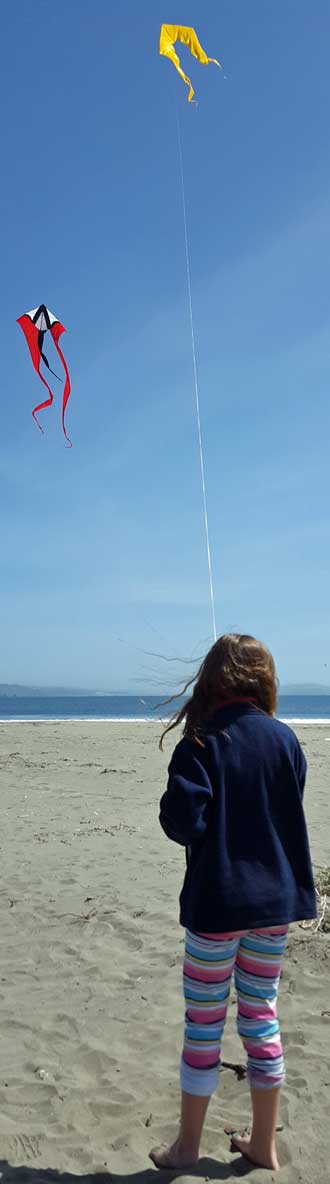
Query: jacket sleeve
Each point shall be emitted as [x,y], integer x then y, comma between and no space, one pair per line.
[185,807]
[300,768]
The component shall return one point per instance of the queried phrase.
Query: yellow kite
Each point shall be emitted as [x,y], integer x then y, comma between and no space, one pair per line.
[169,34]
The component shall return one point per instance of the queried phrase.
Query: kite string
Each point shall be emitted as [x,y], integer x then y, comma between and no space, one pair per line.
[195,369]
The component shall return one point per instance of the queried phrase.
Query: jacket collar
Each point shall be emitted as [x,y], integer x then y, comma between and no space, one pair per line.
[234,702]
[231,709]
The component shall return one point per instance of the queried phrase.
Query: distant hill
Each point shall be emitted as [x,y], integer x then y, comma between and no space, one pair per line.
[18,691]
[308,688]
[15,690]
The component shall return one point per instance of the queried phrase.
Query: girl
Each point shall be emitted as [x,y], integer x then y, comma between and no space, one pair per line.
[234,800]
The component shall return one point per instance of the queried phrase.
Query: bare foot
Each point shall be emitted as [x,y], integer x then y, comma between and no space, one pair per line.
[173,1158]
[232,1130]
[246,1148]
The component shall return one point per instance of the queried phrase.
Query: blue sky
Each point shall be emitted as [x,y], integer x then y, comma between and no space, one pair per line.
[105,542]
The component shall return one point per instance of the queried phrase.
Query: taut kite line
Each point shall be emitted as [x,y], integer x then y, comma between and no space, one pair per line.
[169,34]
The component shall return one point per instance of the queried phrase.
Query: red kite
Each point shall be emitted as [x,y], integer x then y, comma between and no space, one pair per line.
[34,325]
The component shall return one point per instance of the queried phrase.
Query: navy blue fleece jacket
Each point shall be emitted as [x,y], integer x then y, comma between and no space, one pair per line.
[236,804]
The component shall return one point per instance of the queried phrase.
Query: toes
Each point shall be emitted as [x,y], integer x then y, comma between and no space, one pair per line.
[158,1155]
[233,1132]
[169,1159]
[240,1145]
[234,1143]
[155,1155]
[162,1158]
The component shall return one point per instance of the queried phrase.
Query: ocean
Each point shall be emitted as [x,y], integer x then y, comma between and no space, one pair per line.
[294,708]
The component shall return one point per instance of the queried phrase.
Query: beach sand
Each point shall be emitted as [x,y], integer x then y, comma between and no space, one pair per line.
[90,971]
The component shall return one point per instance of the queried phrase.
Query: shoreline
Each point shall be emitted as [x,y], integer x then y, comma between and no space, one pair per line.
[309,721]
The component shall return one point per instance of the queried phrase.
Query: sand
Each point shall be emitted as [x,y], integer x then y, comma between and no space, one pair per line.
[90,971]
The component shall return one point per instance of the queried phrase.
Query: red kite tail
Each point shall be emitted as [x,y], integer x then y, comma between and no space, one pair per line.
[56,330]
[31,336]
[47,403]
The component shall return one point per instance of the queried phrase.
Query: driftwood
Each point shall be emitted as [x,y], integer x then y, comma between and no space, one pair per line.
[240,1070]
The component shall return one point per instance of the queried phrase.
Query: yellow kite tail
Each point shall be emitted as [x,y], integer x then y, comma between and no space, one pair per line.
[169,34]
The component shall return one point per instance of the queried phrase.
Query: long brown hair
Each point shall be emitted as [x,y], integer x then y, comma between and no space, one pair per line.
[236,667]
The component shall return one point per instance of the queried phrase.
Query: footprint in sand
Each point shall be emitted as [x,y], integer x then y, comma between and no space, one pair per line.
[113,1104]
[20,1148]
[126,932]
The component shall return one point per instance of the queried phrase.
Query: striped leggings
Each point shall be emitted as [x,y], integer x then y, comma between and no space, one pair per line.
[209,962]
